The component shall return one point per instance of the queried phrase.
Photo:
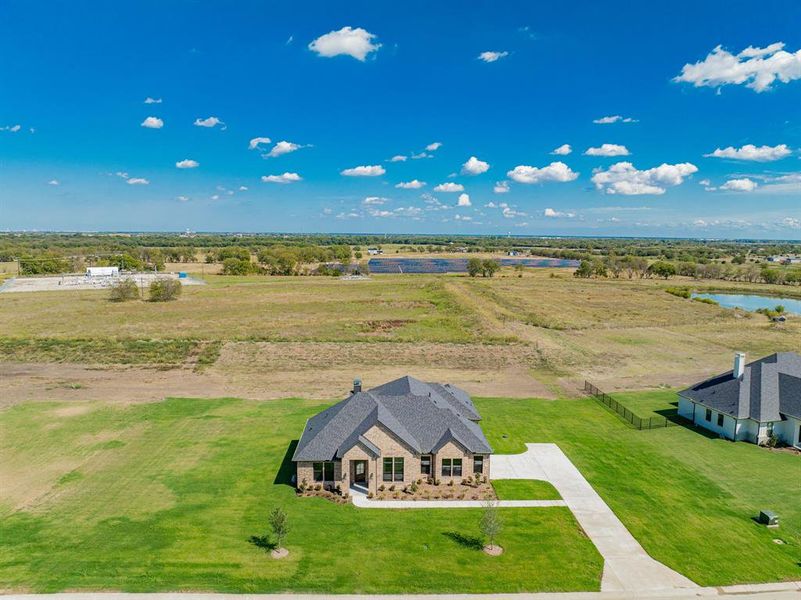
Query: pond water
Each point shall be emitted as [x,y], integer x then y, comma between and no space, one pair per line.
[456,265]
[752,302]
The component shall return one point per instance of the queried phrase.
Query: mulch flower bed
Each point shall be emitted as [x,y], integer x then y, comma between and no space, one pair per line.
[467,489]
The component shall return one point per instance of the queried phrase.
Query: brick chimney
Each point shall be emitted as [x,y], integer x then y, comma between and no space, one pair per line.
[739,364]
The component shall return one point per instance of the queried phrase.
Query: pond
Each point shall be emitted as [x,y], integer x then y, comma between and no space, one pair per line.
[752,302]
[457,265]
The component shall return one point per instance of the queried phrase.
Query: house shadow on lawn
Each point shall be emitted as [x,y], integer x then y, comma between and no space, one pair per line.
[465,541]
[263,542]
[287,469]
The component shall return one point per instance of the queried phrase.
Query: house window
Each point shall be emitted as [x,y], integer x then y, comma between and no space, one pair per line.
[425,464]
[720,419]
[323,471]
[451,467]
[478,464]
[393,469]
[708,415]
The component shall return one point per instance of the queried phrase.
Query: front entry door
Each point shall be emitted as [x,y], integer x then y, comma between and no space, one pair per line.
[360,471]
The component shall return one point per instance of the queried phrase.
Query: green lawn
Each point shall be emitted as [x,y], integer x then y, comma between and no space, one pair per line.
[650,403]
[525,489]
[167,496]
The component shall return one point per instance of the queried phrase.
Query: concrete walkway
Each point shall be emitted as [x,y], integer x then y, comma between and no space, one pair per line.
[361,500]
[627,567]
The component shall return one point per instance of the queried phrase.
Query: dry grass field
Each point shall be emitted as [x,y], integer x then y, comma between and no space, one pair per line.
[537,335]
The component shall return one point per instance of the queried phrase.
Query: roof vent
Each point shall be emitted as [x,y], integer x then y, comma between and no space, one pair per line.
[357,385]
[739,364]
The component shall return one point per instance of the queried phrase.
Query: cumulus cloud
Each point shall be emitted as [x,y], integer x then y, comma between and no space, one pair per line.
[258,141]
[12,128]
[398,158]
[364,171]
[283,178]
[501,187]
[243,188]
[449,187]
[556,171]
[752,152]
[414,184]
[607,150]
[348,41]
[374,200]
[137,181]
[623,178]
[555,214]
[153,123]
[614,119]
[187,163]
[150,100]
[54,182]
[434,146]
[208,122]
[757,68]
[464,200]
[492,56]
[510,213]
[740,185]
[474,166]
[563,150]
[283,147]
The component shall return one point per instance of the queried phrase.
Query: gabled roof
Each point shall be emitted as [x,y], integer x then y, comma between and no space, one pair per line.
[419,414]
[769,388]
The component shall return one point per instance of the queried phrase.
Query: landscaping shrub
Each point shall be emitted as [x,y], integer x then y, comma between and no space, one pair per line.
[124,290]
[165,290]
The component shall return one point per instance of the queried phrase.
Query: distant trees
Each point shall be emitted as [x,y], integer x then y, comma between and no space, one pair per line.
[238,266]
[486,268]
[164,290]
[662,269]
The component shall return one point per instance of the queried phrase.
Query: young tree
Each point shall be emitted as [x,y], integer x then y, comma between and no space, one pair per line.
[474,267]
[489,267]
[491,524]
[164,290]
[584,270]
[279,524]
[124,290]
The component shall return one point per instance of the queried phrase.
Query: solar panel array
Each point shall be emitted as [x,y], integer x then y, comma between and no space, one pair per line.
[456,265]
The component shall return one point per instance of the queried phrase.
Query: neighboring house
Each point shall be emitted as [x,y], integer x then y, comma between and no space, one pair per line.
[395,433]
[751,402]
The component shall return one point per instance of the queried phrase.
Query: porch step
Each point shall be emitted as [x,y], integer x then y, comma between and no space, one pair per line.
[356,487]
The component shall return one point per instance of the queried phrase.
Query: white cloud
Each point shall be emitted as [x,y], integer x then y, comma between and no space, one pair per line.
[150,100]
[398,158]
[501,187]
[474,166]
[462,218]
[556,171]
[492,56]
[751,152]
[374,200]
[54,182]
[740,185]
[790,222]
[182,198]
[215,197]
[187,163]
[510,213]
[420,155]
[449,187]
[283,147]
[614,119]
[243,188]
[757,68]
[555,214]
[258,141]
[357,43]
[563,150]
[153,123]
[122,174]
[137,181]
[208,122]
[284,178]
[434,146]
[607,150]
[12,128]
[622,178]
[464,200]
[364,171]
[414,184]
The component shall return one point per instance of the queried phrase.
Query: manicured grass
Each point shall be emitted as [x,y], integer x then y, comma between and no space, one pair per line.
[524,489]
[690,499]
[166,496]
[650,403]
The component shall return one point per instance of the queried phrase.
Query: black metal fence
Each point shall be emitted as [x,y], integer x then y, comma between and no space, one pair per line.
[636,421]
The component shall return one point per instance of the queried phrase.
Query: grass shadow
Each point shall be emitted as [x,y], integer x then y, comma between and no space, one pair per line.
[465,541]
[263,542]
[287,469]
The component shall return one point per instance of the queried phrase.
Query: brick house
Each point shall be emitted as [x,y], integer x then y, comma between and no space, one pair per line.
[395,433]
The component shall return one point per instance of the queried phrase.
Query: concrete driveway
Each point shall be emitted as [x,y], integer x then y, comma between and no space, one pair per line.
[627,567]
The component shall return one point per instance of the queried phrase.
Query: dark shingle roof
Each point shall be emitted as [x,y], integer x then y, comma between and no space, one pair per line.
[420,414]
[770,387]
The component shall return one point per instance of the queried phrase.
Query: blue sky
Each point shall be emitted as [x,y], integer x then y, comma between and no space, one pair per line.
[709,150]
